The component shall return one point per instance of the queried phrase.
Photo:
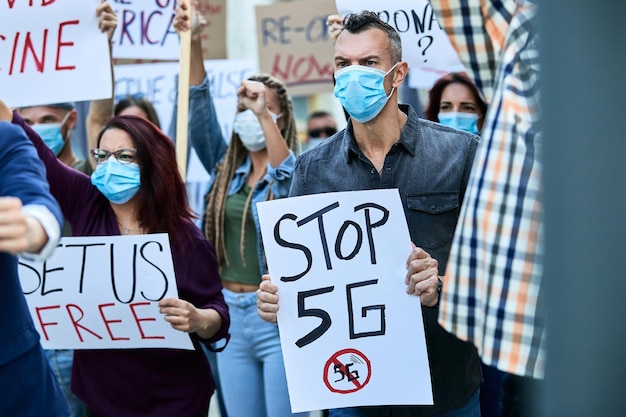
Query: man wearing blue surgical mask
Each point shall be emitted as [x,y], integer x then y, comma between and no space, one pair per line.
[386,145]
[55,124]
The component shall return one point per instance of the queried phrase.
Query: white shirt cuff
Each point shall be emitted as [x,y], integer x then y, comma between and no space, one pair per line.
[49,224]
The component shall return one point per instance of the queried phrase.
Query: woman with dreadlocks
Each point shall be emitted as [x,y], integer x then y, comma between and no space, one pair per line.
[256,165]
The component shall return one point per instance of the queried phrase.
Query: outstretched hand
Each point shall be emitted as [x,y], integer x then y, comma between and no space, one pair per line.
[335,26]
[252,96]
[182,18]
[107,19]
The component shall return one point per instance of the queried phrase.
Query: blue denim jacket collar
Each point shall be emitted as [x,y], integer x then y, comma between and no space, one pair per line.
[408,138]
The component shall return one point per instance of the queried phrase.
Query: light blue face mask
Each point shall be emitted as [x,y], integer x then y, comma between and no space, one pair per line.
[51,135]
[463,121]
[117,181]
[361,91]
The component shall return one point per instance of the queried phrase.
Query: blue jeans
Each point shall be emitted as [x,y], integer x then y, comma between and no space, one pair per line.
[251,369]
[60,361]
[470,408]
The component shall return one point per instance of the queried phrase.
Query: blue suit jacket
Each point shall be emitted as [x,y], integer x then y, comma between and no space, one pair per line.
[27,385]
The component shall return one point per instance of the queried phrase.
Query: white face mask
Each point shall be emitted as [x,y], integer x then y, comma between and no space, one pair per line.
[248,128]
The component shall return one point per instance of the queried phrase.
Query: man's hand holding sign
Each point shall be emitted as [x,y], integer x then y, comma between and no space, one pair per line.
[347,311]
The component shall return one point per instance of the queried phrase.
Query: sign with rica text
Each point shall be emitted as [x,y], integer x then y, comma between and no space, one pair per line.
[145,29]
[425,45]
[52,51]
[102,293]
[294,45]
[350,333]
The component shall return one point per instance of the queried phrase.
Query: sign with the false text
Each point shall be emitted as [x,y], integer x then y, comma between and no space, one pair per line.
[425,45]
[350,333]
[294,45]
[102,293]
[52,51]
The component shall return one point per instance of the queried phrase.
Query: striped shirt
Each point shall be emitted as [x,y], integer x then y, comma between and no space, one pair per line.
[492,291]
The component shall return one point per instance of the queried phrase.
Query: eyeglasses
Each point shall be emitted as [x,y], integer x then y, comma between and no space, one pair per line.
[328,131]
[125,156]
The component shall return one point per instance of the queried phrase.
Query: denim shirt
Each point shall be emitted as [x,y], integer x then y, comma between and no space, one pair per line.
[206,137]
[430,165]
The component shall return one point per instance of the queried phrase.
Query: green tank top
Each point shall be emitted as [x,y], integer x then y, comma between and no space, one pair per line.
[235,271]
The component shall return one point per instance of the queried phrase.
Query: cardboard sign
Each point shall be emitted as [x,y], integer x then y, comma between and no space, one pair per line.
[350,334]
[145,29]
[425,45]
[103,293]
[294,45]
[52,51]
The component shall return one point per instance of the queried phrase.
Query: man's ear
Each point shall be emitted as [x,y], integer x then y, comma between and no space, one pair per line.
[400,73]
[72,119]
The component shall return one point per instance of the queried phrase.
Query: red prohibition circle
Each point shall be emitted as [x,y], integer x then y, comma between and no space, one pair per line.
[334,361]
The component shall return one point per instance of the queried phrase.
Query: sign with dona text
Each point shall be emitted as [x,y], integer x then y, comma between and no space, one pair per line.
[145,29]
[52,51]
[350,334]
[102,293]
[425,45]
[294,45]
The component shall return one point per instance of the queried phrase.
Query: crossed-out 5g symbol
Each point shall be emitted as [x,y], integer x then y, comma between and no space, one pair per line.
[347,371]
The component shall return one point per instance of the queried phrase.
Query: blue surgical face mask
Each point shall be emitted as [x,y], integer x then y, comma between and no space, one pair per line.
[458,120]
[361,91]
[249,130]
[314,142]
[50,133]
[117,181]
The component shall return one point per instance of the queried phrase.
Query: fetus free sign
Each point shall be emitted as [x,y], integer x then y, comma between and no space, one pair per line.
[103,293]
[350,333]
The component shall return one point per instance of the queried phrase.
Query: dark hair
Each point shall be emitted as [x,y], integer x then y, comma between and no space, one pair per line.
[318,114]
[138,100]
[434,95]
[162,197]
[236,153]
[360,22]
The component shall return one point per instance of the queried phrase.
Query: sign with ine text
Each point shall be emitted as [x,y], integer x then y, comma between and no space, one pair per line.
[52,51]
[102,292]
[350,333]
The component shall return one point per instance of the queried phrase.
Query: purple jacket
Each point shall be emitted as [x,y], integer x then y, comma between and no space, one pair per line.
[139,382]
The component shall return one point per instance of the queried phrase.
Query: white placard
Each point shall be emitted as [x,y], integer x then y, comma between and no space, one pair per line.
[425,45]
[145,30]
[157,82]
[350,334]
[52,51]
[102,293]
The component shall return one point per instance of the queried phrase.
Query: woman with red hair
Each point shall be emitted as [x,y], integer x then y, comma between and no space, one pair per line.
[454,101]
[136,189]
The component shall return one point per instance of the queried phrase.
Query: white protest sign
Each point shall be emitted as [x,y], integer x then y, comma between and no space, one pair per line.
[157,82]
[145,29]
[102,293]
[52,51]
[425,45]
[350,333]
